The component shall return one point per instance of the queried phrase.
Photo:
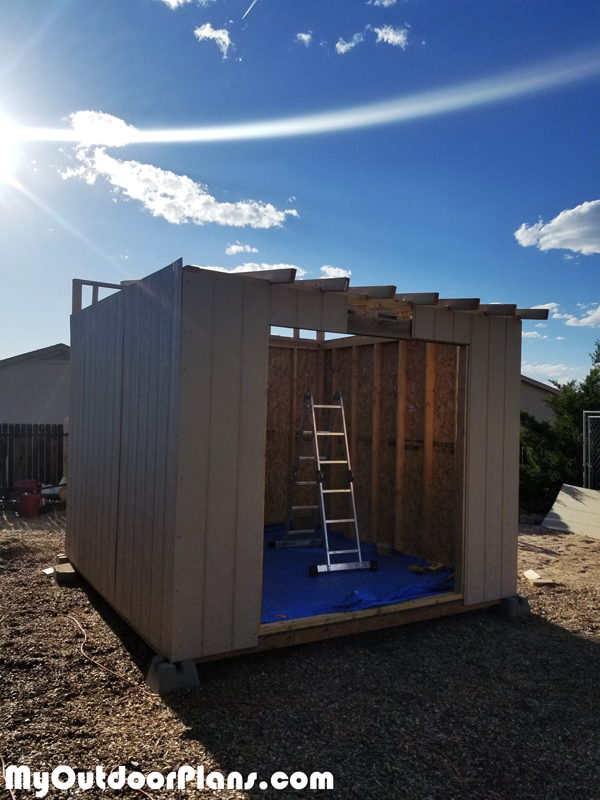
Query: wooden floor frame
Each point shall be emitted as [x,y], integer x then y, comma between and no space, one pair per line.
[288,633]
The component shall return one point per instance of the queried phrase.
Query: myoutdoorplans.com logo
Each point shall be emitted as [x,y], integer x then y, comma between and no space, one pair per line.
[65,778]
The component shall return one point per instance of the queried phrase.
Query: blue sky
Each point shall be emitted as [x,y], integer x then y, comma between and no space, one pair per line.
[481,180]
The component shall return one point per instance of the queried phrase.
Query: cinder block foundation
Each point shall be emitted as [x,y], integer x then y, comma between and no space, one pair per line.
[165,677]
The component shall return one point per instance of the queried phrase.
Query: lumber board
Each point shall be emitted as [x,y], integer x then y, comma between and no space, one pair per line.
[427,493]
[385,496]
[477,460]
[443,512]
[412,484]
[401,412]
[510,488]
[358,626]
[251,465]
[375,326]
[284,626]
[495,458]
[376,440]
[460,456]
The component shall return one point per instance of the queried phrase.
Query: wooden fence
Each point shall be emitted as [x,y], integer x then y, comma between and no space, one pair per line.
[34,452]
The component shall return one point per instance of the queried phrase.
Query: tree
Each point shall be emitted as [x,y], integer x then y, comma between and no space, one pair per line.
[552,453]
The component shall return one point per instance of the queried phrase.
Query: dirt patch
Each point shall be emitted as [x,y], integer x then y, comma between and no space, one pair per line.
[473,706]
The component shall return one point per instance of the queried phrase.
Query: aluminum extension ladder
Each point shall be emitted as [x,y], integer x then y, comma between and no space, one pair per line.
[310,433]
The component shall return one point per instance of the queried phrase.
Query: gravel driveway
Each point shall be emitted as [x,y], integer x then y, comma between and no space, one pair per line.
[473,706]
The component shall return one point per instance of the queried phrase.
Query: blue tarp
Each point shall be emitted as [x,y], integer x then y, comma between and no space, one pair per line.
[288,591]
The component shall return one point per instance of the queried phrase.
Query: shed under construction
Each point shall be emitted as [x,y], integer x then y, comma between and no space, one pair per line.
[184,420]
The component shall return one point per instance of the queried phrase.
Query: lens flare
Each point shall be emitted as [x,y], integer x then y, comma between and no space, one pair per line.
[9,137]
[404,109]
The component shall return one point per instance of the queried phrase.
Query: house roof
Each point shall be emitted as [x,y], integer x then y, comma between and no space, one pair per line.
[539,385]
[42,353]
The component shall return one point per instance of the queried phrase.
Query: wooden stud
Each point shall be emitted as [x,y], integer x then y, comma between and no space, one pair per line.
[353,443]
[428,439]
[460,452]
[400,442]
[375,439]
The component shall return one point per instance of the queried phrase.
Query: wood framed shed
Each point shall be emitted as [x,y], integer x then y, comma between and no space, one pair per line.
[184,416]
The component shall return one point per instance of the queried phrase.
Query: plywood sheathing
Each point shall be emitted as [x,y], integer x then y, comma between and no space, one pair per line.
[399,396]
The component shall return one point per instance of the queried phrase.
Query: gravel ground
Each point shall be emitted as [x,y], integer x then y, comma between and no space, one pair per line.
[473,706]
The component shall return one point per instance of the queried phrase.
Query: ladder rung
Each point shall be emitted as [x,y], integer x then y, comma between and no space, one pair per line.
[327,406]
[339,552]
[333,491]
[330,433]
[305,530]
[333,462]
[307,433]
[307,458]
[328,521]
[297,508]
[314,483]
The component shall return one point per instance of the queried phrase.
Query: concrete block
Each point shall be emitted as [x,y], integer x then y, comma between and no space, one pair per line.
[64,574]
[61,559]
[165,678]
[514,607]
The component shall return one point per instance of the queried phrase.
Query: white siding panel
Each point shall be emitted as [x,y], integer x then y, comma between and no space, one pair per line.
[223,465]
[335,313]
[495,458]
[510,518]
[195,420]
[309,313]
[462,327]
[168,323]
[250,489]
[284,305]
[444,324]
[423,325]
[474,563]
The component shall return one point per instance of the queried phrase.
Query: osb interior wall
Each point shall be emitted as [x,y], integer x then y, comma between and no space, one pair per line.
[394,392]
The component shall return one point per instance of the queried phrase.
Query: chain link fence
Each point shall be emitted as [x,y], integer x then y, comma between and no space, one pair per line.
[591,449]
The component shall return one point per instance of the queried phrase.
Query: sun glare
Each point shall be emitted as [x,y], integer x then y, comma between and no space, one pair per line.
[8,149]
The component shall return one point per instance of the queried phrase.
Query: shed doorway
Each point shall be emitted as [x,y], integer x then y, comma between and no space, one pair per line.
[405,408]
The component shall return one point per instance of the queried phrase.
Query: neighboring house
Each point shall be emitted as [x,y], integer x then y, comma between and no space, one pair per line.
[34,387]
[533,398]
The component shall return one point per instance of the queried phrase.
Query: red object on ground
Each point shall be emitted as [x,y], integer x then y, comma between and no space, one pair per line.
[25,486]
[29,505]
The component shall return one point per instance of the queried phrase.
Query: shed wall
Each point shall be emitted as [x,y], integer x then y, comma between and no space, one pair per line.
[492,444]
[124,400]
[391,403]
[220,474]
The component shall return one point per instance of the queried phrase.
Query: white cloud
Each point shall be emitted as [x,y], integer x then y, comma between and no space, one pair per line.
[557,372]
[591,319]
[576,229]
[96,127]
[220,37]
[240,248]
[335,272]
[561,338]
[395,36]
[554,312]
[541,325]
[343,47]
[176,3]
[305,38]
[532,335]
[176,198]
[250,267]
[384,3]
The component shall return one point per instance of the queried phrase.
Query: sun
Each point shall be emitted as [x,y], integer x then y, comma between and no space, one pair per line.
[8,149]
